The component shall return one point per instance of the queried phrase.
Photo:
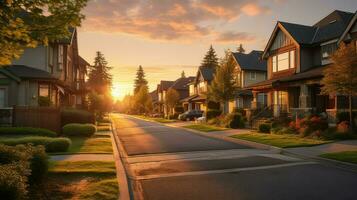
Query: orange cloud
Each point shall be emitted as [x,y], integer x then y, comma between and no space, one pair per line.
[236,37]
[252,9]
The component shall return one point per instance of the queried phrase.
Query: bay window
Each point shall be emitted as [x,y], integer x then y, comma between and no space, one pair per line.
[283,61]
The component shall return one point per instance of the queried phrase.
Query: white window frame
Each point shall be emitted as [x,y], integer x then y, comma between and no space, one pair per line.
[291,61]
[251,77]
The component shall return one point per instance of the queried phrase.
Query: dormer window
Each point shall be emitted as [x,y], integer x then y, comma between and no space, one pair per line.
[283,61]
[328,49]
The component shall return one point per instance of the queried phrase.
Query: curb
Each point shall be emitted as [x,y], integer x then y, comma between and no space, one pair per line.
[119,164]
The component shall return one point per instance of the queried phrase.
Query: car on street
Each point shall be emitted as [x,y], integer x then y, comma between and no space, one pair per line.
[190,115]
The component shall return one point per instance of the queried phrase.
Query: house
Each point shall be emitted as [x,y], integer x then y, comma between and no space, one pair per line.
[154,99]
[46,75]
[296,56]
[197,99]
[249,69]
[162,89]
[182,86]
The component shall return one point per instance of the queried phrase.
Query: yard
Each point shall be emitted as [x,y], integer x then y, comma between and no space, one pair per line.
[156,119]
[344,156]
[205,127]
[282,141]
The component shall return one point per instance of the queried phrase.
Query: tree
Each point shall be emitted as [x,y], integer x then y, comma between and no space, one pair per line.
[240,49]
[141,99]
[99,78]
[223,87]
[183,74]
[340,78]
[172,99]
[210,60]
[25,23]
[140,80]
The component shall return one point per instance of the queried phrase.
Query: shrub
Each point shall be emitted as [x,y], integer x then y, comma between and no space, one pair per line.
[50,144]
[264,128]
[71,115]
[27,131]
[75,129]
[343,127]
[312,124]
[39,164]
[13,185]
[345,116]
[240,110]
[333,134]
[213,113]
[174,116]
[234,120]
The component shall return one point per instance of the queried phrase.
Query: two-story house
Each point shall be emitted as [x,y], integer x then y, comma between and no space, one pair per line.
[249,69]
[296,57]
[45,75]
[162,89]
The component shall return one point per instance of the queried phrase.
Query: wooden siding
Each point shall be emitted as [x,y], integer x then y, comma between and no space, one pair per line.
[281,40]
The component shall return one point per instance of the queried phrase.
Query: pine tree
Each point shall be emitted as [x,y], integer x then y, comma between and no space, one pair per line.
[99,78]
[140,80]
[223,85]
[340,78]
[183,74]
[210,60]
[240,49]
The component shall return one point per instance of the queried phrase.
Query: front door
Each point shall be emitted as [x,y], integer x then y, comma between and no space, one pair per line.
[280,102]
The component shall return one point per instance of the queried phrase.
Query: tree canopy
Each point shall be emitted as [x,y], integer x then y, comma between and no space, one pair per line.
[240,49]
[140,80]
[27,23]
[99,77]
[210,60]
[172,98]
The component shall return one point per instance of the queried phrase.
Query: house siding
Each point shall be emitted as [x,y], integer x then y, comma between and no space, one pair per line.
[33,57]
[260,76]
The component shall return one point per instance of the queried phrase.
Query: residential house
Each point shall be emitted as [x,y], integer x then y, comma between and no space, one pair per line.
[53,74]
[296,57]
[249,69]
[162,89]
[154,99]
[197,99]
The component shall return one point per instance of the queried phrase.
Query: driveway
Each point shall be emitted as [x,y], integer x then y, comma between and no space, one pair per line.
[172,163]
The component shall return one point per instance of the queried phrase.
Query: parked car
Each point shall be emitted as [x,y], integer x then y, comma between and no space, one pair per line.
[190,115]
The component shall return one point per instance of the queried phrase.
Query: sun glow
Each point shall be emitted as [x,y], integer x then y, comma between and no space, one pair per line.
[116,92]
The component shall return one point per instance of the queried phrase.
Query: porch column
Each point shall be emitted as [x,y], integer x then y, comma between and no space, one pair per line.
[255,102]
[304,96]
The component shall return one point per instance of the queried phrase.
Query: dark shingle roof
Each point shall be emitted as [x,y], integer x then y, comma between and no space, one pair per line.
[26,72]
[153,96]
[207,73]
[330,27]
[166,84]
[251,61]
[182,83]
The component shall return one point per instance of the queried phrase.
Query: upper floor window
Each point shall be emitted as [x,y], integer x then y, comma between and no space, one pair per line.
[328,49]
[192,89]
[60,57]
[283,61]
[202,87]
[44,90]
[252,75]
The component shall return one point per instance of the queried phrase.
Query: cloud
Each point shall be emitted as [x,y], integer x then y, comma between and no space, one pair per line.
[237,37]
[166,19]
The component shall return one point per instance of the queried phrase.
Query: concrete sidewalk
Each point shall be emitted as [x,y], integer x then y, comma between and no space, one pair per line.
[346,145]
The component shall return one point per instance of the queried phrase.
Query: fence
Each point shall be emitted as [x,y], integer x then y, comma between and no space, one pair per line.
[39,117]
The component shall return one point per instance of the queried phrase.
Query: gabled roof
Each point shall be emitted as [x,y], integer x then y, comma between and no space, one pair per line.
[350,25]
[164,85]
[25,72]
[182,83]
[251,61]
[69,38]
[330,27]
[153,96]
[207,73]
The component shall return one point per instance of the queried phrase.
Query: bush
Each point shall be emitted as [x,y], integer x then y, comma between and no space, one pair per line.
[264,128]
[69,116]
[174,116]
[39,164]
[213,113]
[234,120]
[50,144]
[312,124]
[82,130]
[27,131]
[343,127]
[13,185]
[345,116]
[240,111]
[333,134]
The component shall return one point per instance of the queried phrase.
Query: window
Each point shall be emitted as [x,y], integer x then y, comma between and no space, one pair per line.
[252,75]
[2,97]
[201,87]
[328,49]
[50,57]
[283,61]
[60,57]
[43,90]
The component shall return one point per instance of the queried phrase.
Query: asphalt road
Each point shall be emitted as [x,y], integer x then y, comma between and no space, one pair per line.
[167,163]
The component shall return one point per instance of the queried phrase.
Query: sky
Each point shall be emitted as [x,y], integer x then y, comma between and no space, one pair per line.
[167,37]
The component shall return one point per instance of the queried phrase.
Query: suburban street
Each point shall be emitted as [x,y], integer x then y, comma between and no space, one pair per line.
[164,162]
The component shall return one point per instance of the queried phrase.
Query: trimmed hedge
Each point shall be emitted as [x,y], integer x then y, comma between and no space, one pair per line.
[71,115]
[264,128]
[234,120]
[50,144]
[27,131]
[213,113]
[74,129]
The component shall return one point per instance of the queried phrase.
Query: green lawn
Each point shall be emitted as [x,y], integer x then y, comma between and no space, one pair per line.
[160,120]
[344,156]
[95,144]
[82,180]
[283,141]
[205,127]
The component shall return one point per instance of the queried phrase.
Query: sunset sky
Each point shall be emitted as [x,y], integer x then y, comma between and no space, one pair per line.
[168,36]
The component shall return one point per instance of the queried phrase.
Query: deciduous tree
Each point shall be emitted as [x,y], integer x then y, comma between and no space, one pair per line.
[25,23]
[340,77]
[172,99]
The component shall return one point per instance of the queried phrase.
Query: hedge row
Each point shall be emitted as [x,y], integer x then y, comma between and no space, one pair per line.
[27,131]
[85,130]
[50,144]
[71,115]
[20,167]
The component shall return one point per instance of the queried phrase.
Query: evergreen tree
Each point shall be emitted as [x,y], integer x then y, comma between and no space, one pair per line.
[140,80]
[340,78]
[27,23]
[210,60]
[141,99]
[240,49]
[183,74]
[99,78]
[223,84]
